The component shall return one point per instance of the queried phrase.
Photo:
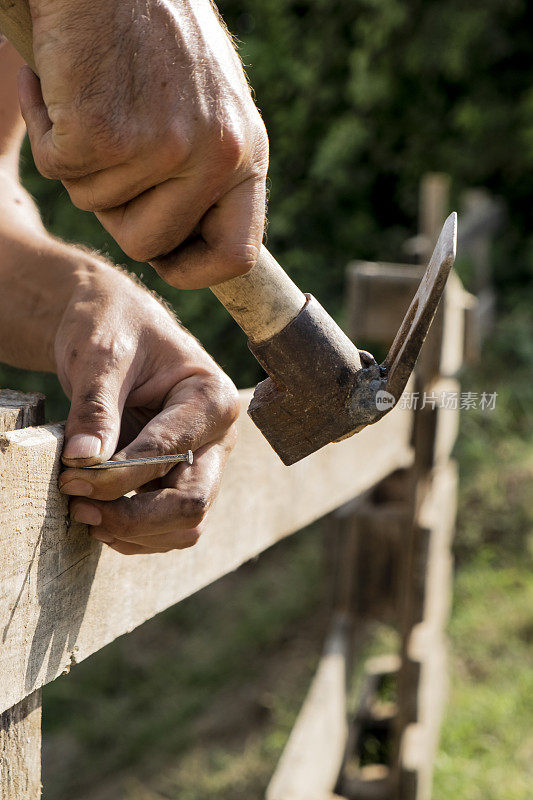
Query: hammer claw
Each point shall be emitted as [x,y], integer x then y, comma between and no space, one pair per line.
[404,351]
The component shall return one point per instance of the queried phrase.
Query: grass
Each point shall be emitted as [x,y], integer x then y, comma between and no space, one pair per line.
[199,702]
[486,750]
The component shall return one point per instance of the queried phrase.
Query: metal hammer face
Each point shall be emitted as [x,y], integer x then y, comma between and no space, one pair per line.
[321,388]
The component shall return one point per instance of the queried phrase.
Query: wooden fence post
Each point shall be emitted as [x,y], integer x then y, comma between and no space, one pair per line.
[483,215]
[20,750]
[20,726]
[427,585]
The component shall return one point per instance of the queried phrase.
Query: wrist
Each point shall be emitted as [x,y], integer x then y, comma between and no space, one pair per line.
[38,277]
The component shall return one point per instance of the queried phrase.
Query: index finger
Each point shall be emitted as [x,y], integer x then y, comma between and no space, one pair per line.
[228,241]
[198,413]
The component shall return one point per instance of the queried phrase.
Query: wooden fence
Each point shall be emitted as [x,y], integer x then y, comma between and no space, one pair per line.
[392,487]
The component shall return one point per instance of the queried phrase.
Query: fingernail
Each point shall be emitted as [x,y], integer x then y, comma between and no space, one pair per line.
[87,514]
[77,487]
[82,445]
[103,537]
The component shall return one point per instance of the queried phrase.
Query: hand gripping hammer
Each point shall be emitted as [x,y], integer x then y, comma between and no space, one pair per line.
[320,388]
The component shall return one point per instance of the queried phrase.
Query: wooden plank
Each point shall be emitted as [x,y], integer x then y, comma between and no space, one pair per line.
[481,218]
[437,424]
[381,528]
[310,764]
[456,299]
[437,514]
[379,295]
[442,354]
[20,750]
[64,596]
[423,674]
[479,321]
[434,204]
[19,410]
[419,741]
[20,726]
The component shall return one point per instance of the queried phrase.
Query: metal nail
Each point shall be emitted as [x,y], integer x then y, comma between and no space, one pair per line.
[135,462]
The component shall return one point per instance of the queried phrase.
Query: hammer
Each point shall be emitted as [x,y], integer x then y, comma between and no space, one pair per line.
[321,388]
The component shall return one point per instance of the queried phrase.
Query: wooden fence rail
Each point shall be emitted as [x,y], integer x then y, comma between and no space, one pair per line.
[63,596]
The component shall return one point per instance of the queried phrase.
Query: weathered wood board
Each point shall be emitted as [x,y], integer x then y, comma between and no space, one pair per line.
[379,295]
[20,410]
[423,677]
[310,764]
[63,596]
[20,750]
[20,725]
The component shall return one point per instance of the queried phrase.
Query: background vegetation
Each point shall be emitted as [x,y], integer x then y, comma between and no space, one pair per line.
[360,98]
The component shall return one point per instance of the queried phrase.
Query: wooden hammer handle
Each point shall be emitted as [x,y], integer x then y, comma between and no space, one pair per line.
[264,300]
[16,25]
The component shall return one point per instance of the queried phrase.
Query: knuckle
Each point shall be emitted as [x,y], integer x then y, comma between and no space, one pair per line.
[231,438]
[260,149]
[120,522]
[57,158]
[51,162]
[220,393]
[83,197]
[229,405]
[108,492]
[93,405]
[109,350]
[176,142]
[70,357]
[232,148]
[238,259]
[137,245]
[191,537]
[153,444]
[194,507]
[44,163]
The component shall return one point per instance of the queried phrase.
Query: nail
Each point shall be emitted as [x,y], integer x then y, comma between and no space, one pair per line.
[82,445]
[87,514]
[77,487]
[103,537]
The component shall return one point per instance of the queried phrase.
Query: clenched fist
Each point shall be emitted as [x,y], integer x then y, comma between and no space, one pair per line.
[143,111]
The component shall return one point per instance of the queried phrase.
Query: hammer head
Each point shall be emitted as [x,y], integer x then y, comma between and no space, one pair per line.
[321,388]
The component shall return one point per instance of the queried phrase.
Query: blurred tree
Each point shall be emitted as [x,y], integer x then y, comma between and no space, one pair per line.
[360,98]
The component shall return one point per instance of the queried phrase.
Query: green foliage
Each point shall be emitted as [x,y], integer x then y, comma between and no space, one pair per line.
[486,744]
[360,99]
[495,449]
[486,750]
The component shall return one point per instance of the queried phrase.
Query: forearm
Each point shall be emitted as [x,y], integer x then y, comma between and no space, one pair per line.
[39,275]
[36,280]
[12,126]
[36,271]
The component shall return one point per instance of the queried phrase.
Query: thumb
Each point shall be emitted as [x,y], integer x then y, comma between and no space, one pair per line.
[93,425]
[36,117]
